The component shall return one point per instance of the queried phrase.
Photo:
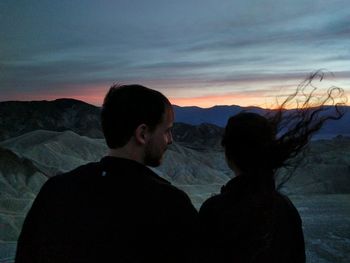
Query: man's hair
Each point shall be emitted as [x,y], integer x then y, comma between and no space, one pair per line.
[128,106]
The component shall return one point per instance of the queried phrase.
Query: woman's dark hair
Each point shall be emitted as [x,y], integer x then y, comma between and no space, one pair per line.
[261,144]
[126,107]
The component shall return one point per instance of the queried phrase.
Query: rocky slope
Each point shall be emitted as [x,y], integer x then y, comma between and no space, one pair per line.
[57,152]
[325,169]
[19,177]
[20,181]
[201,137]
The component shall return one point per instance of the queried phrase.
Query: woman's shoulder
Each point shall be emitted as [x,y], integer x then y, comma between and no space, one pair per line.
[222,204]
[212,205]
[282,200]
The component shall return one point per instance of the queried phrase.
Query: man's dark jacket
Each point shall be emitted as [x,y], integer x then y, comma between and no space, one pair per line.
[115,210]
[249,221]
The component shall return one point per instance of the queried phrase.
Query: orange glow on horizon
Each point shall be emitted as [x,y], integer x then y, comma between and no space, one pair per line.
[202,102]
[243,100]
[210,101]
[95,96]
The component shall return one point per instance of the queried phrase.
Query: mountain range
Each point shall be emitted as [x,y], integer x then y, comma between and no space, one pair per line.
[17,118]
[41,139]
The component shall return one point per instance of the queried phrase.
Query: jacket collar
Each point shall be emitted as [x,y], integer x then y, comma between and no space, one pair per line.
[130,168]
[246,183]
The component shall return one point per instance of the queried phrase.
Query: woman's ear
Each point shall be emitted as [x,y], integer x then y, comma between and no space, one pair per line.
[142,134]
[232,165]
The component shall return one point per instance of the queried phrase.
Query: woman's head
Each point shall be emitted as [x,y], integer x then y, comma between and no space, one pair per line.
[248,140]
[258,145]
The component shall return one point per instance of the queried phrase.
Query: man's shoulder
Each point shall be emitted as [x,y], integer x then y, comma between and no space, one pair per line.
[88,168]
[174,191]
[149,178]
[163,192]
[166,188]
[75,176]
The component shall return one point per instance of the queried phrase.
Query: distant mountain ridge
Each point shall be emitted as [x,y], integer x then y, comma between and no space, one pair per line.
[18,117]
[218,115]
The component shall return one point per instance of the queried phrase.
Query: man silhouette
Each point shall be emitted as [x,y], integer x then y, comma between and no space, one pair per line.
[115,210]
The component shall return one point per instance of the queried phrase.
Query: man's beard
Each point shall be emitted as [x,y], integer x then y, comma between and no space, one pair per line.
[152,156]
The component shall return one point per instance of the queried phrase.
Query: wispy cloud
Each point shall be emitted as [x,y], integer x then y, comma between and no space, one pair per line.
[183,48]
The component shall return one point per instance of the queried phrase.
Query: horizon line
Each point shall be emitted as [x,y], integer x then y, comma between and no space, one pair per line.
[174,105]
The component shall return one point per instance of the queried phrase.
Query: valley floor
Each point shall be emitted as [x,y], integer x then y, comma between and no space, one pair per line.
[326,224]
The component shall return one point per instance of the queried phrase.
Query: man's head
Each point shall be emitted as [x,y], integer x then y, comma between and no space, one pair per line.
[138,113]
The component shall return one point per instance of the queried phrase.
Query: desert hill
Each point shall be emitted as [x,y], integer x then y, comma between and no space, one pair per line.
[325,169]
[20,117]
[57,152]
[19,177]
[204,136]
[20,181]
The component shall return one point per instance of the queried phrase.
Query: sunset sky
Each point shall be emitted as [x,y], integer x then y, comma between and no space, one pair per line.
[196,52]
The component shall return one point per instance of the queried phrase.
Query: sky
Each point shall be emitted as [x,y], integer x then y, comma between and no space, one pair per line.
[196,52]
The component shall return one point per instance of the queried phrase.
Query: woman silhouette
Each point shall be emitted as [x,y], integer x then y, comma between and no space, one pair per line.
[250,221]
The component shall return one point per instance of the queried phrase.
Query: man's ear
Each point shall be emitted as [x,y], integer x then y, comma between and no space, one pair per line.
[142,134]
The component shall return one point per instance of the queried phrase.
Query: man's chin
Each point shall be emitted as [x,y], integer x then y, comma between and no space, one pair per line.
[154,162]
